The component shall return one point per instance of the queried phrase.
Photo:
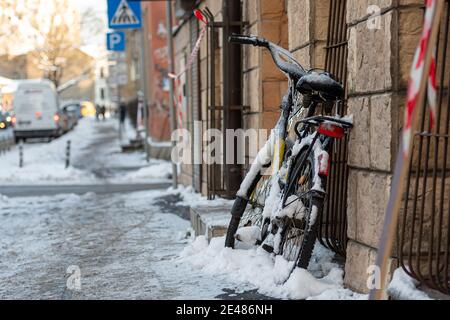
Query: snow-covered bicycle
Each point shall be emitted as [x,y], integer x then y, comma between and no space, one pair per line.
[282,195]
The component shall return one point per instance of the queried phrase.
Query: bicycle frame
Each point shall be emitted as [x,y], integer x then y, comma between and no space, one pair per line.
[327,140]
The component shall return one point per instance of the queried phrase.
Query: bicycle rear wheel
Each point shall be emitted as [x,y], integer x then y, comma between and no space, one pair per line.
[300,230]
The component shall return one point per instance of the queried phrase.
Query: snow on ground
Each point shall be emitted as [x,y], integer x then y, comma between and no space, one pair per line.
[44,163]
[6,133]
[254,268]
[192,198]
[403,287]
[122,243]
[156,169]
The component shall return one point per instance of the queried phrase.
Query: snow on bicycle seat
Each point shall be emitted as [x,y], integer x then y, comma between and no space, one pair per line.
[321,83]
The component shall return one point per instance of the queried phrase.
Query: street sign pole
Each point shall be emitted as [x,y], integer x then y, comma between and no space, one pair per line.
[173,122]
[119,112]
[144,89]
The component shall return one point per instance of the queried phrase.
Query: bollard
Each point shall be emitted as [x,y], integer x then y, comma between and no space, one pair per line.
[21,154]
[68,154]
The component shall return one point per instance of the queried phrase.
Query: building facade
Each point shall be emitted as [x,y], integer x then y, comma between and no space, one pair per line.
[369,47]
[78,65]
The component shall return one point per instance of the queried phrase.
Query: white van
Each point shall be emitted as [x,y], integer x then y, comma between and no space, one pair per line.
[34,104]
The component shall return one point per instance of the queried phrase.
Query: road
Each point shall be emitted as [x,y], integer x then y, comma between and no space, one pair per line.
[101,240]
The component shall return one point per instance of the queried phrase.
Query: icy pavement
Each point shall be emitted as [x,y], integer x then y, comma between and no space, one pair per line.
[123,245]
[115,242]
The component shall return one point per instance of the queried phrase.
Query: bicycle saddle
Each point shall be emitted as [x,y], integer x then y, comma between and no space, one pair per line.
[323,84]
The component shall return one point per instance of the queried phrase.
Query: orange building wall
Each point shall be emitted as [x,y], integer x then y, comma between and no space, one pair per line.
[157,64]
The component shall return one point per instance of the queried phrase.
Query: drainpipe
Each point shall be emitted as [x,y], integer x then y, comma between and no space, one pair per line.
[232,82]
[173,122]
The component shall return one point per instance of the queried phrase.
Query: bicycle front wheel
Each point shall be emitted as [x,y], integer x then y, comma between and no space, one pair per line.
[247,214]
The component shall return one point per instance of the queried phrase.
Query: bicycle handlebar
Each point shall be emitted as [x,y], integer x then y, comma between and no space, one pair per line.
[244,39]
[287,64]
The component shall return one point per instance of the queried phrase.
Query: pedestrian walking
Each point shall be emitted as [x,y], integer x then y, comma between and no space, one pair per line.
[97,112]
[103,112]
[122,116]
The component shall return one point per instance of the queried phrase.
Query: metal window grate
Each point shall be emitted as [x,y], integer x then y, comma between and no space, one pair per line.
[224,96]
[424,232]
[333,226]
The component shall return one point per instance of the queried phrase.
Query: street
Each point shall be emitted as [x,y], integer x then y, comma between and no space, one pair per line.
[224,150]
[124,242]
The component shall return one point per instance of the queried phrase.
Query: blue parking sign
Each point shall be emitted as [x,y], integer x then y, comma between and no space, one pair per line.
[124,14]
[115,41]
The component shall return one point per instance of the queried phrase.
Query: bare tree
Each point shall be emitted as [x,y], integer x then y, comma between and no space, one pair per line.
[50,28]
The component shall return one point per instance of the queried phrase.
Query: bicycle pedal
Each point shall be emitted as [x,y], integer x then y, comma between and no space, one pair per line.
[267,248]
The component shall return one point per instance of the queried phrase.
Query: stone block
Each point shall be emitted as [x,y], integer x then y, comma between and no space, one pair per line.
[381,153]
[272,10]
[252,90]
[410,29]
[211,221]
[322,12]
[252,54]
[303,56]
[367,205]
[370,57]
[359,259]
[271,95]
[269,119]
[299,22]
[269,70]
[359,147]
[358,10]
[251,11]
[319,54]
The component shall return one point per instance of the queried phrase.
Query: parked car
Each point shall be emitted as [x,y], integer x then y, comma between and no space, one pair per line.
[72,113]
[5,120]
[74,106]
[34,104]
[62,121]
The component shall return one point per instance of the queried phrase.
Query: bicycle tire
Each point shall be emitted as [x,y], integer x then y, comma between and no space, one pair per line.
[240,204]
[306,225]
[238,210]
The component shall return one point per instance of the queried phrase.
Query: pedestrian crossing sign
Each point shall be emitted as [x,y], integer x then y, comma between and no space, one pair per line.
[124,14]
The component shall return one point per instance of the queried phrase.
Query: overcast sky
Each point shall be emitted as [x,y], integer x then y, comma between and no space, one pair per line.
[96,43]
[98,5]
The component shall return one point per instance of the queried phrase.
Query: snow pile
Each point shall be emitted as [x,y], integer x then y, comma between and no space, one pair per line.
[192,198]
[254,268]
[46,163]
[156,169]
[403,287]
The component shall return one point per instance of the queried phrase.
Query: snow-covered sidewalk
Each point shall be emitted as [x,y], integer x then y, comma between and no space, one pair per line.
[255,269]
[44,163]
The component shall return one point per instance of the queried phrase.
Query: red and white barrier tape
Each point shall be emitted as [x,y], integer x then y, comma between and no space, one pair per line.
[178,97]
[416,76]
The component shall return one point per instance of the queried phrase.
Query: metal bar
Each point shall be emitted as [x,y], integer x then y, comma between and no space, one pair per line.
[401,171]
[173,121]
[212,89]
[424,251]
[144,82]
[442,286]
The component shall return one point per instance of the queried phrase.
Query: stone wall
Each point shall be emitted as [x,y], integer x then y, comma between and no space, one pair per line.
[378,66]
[380,52]
[264,84]
[181,47]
